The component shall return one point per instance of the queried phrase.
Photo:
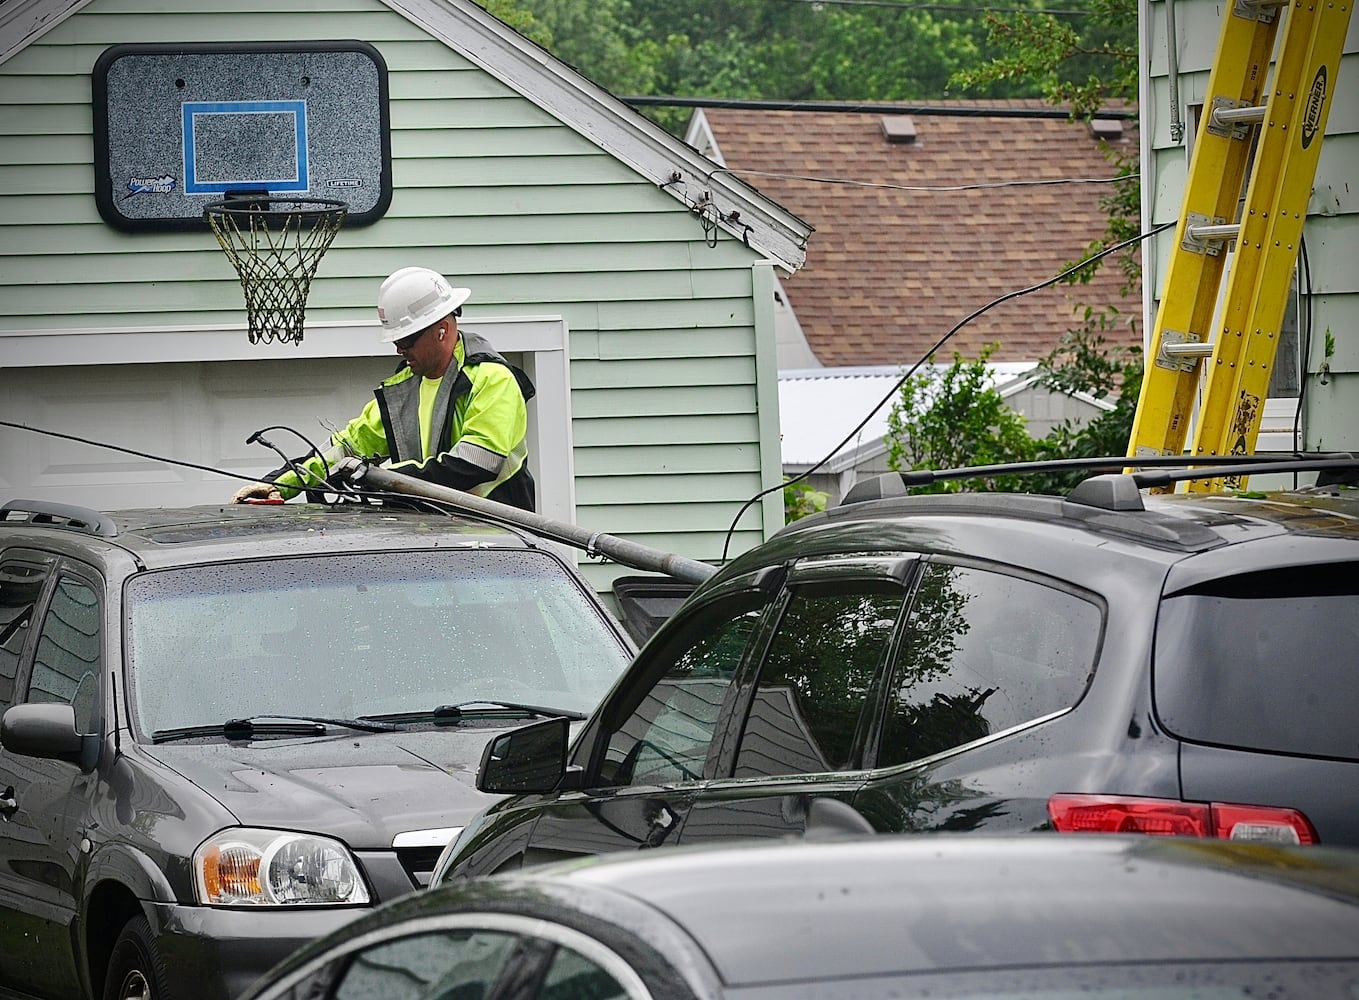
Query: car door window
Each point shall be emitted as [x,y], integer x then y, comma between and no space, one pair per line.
[66,664]
[984,652]
[809,704]
[666,734]
[21,583]
[572,976]
[445,965]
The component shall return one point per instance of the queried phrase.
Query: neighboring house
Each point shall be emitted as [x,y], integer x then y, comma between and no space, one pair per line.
[922,219]
[1316,375]
[636,285]
[822,409]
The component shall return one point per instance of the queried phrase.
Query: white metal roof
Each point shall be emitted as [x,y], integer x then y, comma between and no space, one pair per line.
[820,407]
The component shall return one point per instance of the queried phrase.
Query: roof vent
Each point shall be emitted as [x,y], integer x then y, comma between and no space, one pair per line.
[898,128]
[1108,129]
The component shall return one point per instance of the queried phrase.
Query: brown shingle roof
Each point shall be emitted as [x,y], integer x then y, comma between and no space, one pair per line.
[890,271]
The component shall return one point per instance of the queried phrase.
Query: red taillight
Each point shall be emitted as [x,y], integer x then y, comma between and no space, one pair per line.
[1072,813]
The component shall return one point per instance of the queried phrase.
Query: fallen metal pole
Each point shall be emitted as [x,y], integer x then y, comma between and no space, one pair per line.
[592,542]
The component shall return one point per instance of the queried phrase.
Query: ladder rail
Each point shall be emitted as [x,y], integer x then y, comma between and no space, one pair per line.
[1285,112]
[1217,172]
[1256,299]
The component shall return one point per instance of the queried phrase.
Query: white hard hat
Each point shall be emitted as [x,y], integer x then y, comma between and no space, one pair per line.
[414,298]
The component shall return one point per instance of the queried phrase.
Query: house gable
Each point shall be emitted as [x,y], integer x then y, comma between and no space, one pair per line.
[661,325]
[719,200]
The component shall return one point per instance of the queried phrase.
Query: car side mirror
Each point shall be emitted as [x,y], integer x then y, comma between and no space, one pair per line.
[531,758]
[47,731]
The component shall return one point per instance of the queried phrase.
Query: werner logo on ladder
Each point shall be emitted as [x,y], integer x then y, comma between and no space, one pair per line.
[1273,131]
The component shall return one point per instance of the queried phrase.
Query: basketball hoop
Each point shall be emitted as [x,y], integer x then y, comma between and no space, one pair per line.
[275,244]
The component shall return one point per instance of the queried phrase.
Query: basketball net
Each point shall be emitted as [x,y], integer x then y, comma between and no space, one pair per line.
[275,244]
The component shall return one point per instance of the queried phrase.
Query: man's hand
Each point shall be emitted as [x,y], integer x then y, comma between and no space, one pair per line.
[258,491]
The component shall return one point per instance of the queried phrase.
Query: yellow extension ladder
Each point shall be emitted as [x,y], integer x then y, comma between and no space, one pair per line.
[1272,130]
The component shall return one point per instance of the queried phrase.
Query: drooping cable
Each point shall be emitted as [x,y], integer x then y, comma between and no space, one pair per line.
[896,387]
[1305,348]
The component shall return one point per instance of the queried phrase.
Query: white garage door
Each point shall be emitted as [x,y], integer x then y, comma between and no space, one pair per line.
[193,412]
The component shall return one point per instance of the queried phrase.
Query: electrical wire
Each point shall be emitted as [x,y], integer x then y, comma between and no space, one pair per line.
[924,187]
[981,110]
[303,474]
[947,8]
[348,490]
[192,465]
[1123,245]
[127,451]
[1305,350]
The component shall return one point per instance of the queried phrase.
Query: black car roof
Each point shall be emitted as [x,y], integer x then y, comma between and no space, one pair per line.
[164,536]
[1182,523]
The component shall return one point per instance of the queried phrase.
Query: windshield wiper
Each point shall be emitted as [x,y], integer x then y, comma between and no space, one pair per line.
[482,709]
[272,726]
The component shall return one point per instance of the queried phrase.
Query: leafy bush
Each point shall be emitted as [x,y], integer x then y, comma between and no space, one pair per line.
[951,417]
[800,499]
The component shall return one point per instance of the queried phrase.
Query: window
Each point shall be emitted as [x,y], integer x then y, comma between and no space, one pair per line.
[572,976]
[308,635]
[816,679]
[983,653]
[1263,661]
[447,965]
[20,586]
[666,736]
[468,964]
[66,665]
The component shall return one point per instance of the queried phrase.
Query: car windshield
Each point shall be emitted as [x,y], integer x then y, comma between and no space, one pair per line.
[359,635]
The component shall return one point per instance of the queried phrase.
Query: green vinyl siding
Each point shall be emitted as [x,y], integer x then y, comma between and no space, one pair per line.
[658,432]
[671,460]
[670,437]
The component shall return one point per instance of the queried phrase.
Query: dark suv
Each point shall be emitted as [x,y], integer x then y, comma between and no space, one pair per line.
[227,730]
[1106,661]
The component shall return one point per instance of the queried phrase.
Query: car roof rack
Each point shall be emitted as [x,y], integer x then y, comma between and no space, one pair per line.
[49,514]
[1119,491]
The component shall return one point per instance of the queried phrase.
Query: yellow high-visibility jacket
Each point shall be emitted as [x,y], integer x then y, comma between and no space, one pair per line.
[477,428]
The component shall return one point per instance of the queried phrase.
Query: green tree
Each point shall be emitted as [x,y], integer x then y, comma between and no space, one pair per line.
[952,417]
[1087,64]
[800,499]
[764,49]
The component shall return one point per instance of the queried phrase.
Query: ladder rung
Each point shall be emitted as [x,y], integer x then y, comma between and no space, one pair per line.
[1232,116]
[1222,232]
[1188,350]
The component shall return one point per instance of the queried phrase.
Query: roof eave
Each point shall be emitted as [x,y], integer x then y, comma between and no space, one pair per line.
[615,127]
[23,21]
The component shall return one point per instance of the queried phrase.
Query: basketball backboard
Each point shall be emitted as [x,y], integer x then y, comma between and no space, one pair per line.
[177,127]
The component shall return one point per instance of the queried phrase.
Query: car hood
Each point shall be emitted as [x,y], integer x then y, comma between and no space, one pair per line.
[364,788]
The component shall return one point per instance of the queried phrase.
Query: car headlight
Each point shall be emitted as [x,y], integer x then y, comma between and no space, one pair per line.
[247,867]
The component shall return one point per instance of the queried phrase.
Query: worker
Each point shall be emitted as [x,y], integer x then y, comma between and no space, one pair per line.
[453,414]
